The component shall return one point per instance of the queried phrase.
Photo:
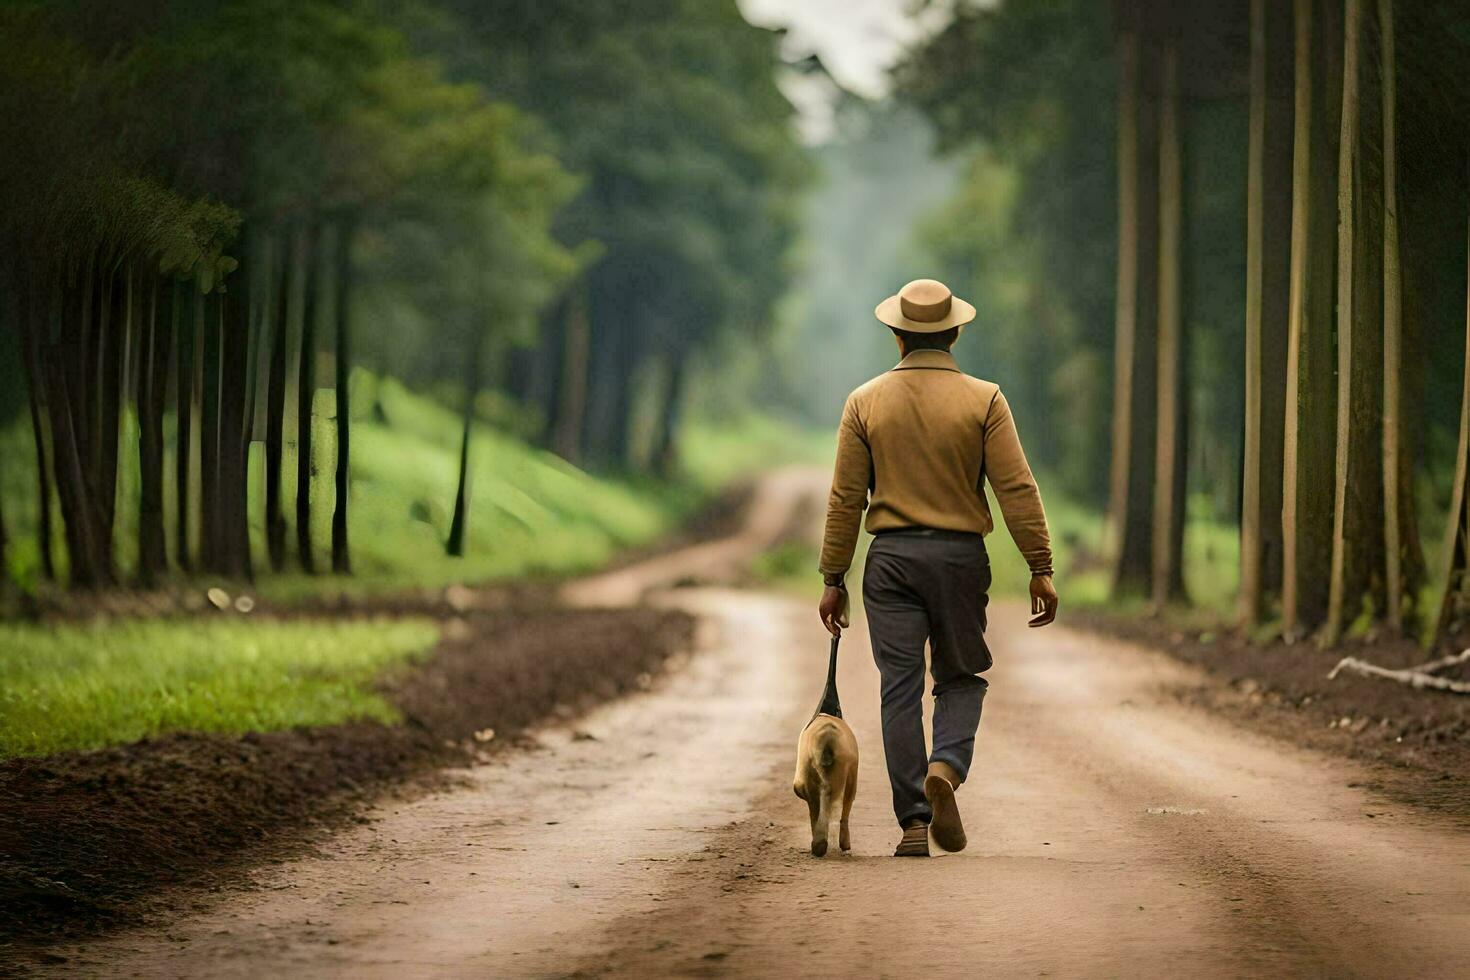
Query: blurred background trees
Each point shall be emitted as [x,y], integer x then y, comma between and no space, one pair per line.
[258,259]
[1256,229]
[213,212]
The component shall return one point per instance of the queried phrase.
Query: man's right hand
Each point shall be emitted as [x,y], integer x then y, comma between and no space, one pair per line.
[1043,600]
[833,609]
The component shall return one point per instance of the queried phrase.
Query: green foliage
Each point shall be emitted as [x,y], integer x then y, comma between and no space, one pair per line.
[717,454]
[88,686]
[532,513]
[1035,245]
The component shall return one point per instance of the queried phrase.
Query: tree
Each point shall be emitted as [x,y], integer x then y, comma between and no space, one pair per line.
[1457,532]
[1358,515]
[1268,246]
[1309,449]
[1170,456]
[1135,367]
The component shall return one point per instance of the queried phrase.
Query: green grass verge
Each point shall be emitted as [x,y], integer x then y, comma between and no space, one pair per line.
[532,513]
[85,687]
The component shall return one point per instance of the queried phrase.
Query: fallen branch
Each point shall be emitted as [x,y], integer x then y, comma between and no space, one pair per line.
[1417,678]
[1452,660]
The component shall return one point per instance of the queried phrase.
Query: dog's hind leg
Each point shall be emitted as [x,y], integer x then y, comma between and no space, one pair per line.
[849,792]
[820,805]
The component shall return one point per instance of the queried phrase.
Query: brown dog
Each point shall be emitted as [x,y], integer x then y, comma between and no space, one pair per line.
[826,765]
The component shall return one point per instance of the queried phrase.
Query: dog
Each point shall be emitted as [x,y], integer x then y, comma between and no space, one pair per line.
[826,767]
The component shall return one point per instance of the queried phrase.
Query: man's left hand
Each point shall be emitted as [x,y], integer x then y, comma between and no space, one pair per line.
[1043,600]
[833,609]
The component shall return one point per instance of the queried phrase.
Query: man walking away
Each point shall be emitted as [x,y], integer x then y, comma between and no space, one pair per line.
[913,448]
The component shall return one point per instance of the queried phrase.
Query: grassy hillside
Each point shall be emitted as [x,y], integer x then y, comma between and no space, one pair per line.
[532,513]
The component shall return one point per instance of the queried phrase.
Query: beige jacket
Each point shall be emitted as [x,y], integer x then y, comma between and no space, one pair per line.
[913,447]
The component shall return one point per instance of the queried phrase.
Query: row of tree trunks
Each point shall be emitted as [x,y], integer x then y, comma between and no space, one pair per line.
[107,335]
[1268,260]
[1135,363]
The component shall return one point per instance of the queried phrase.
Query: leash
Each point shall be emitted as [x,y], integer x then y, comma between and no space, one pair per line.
[830,704]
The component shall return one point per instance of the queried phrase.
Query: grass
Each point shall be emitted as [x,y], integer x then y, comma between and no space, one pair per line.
[715,453]
[87,686]
[531,513]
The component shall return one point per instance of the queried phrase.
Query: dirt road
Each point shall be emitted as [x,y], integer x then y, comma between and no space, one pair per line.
[1113,833]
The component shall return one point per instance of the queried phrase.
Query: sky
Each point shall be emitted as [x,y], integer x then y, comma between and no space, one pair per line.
[856,39]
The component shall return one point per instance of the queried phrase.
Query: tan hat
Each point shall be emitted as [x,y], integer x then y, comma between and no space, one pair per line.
[925,306]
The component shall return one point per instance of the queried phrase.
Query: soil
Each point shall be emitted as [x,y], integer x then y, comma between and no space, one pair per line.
[94,840]
[97,841]
[1420,739]
[1113,831]
[1117,827]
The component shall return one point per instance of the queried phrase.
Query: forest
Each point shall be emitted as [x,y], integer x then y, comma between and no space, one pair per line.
[1264,251]
[222,219]
[1228,278]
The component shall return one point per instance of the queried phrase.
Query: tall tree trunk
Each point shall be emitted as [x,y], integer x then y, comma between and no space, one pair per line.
[187,394]
[1311,394]
[31,332]
[209,438]
[275,409]
[234,428]
[341,556]
[305,393]
[1171,455]
[572,402]
[1457,530]
[71,486]
[1358,556]
[156,337]
[1268,247]
[666,448]
[459,524]
[1401,546]
[116,318]
[1134,363]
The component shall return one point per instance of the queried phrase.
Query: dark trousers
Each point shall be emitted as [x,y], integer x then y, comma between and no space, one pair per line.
[927,586]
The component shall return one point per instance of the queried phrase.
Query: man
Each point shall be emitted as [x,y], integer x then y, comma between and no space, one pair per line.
[913,448]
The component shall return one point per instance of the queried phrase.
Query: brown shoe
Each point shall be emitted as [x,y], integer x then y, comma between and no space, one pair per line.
[949,832]
[915,843]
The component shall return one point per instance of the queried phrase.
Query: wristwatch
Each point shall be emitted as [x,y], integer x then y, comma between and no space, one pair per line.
[834,580]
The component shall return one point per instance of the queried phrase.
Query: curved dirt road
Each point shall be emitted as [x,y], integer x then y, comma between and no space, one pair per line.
[1113,833]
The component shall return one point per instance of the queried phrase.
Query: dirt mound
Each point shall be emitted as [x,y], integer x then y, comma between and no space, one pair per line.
[93,840]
